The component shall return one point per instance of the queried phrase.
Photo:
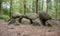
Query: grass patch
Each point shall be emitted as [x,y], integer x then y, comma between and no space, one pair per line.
[4,16]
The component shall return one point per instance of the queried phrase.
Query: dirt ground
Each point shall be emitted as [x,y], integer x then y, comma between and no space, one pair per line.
[28,30]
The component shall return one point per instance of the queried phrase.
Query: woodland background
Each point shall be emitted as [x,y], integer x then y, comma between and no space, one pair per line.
[52,7]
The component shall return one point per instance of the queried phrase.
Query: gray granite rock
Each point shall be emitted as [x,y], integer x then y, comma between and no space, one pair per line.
[32,16]
[25,21]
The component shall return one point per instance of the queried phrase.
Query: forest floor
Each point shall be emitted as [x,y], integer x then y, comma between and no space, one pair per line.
[28,30]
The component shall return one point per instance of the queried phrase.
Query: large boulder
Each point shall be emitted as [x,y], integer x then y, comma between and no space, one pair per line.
[11,21]
[25,21]
[17,22]
[32,16]
[50,23]
[16,15]
[37,22]
[43,16]
[14,21]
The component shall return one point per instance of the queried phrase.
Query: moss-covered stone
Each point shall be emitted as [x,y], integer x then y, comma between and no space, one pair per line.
[32,16]
[37,22]
[25,21]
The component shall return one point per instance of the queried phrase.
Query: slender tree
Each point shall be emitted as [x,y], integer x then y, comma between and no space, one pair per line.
[59,7]
[10,8]
[51,4]
[0,5]
[42,4]
[56,4]
[39,6]
[24,6]
[47,6]
[36,6]
[33,6]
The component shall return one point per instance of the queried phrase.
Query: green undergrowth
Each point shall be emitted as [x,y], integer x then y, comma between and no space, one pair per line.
[4,16]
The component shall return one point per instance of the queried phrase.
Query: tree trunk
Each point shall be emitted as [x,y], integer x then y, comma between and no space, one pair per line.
[39,6]
[24,6]
[42,4]
[10,8]
[59,8]
[47,6]
[33,6]
[36,6]
[56,7]
[0,5]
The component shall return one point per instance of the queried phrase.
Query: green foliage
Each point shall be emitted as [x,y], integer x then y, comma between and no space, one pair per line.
[52,13]
[18,6]
[4,16]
